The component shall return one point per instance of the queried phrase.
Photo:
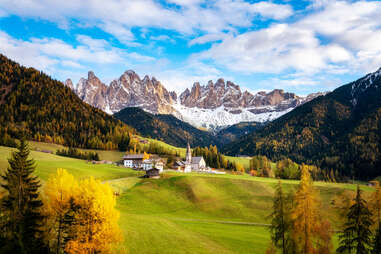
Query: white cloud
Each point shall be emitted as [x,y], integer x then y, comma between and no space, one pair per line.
[337,38]
[118,17]
[271,10]
[48,54]
[207,38]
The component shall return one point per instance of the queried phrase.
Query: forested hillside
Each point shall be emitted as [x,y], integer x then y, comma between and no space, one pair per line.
[341,130]
[35,106]
[166,128]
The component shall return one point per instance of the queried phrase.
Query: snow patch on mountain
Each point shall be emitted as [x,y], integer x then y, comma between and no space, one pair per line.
[220,117]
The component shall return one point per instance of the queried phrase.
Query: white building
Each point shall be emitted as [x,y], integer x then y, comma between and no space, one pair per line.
[133,160]
[191,163]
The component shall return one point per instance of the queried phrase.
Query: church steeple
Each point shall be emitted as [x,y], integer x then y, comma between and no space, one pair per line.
[188,157]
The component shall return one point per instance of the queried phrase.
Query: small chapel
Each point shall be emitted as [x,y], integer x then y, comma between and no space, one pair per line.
[191,163]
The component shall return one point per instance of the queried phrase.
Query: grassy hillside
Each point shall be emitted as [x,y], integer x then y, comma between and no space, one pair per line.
[193,213]
[48,163]
[189,213]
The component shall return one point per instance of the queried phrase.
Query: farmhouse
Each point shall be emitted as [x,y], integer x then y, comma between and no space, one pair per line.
[133,160]
[141,161]
[191,163]
[152,173]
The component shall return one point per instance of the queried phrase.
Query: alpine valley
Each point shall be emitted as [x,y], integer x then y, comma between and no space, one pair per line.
[213,106]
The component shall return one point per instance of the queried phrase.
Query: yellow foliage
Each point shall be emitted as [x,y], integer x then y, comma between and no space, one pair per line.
[97,219]
[58,190]
[91,205]
[307,231]
[146,156]
[376,204]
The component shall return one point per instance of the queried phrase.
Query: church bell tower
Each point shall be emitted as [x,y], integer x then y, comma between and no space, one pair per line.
[188,157]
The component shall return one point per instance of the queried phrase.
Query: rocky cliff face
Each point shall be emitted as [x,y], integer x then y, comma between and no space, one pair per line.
[212,106]
[230,96]
[126,91]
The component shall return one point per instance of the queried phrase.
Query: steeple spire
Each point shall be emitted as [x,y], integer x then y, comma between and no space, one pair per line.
[188,157]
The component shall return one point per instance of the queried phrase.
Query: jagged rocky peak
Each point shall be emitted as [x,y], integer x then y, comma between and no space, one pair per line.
[211,105]
[126,91]
[69,84]
[92,90]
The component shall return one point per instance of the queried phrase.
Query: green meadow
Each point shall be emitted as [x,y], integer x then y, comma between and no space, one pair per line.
[189,213]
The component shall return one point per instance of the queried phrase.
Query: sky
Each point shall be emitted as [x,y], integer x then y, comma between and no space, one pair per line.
[300,46]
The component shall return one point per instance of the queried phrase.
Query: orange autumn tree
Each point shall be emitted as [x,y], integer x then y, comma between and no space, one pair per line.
[81,215]
[308,233]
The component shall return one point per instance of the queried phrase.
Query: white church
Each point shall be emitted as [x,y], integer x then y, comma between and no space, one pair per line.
[191,163]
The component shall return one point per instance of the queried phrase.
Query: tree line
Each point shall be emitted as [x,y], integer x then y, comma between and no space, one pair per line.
[288,169]
[213,158]
[298,226]
[65,216]
[75,153]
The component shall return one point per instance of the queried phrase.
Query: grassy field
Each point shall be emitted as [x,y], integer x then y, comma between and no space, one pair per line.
[189,213]
[195,213]
[48,163]
[103,154]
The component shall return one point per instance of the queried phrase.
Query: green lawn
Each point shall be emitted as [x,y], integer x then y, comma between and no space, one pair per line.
[189,213]
[103,154]
[48,163]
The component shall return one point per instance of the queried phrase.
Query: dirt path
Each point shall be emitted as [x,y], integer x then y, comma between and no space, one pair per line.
[224,222]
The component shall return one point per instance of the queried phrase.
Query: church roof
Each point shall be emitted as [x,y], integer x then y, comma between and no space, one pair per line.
[196,160]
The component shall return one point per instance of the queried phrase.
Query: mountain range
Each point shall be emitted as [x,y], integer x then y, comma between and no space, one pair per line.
[212,106]
[340,130]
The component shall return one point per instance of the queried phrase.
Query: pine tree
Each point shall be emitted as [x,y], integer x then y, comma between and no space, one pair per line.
[22,203]
[377,241]
[357,234]
[280,221]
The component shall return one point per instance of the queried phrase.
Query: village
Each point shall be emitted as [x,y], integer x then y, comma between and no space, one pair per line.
[153,164]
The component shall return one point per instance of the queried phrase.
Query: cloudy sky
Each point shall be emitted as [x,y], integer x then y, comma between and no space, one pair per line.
[299,46]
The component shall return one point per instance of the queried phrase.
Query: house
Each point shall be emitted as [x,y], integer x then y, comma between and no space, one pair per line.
[147,165]
[133,160]
[191,163]
[152,173]
[143,161]
[159,165]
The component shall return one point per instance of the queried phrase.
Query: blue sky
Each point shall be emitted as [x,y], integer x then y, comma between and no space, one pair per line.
[299,46]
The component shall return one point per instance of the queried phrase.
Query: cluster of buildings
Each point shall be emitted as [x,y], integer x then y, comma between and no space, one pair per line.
[154,165]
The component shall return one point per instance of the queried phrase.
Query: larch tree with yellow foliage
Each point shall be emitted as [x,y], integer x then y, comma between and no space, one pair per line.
[82,215]
[59,191]
[146,156]
[307,233]
[95,218]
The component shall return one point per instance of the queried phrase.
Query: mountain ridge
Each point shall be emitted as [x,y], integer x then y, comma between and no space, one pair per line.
[212,106]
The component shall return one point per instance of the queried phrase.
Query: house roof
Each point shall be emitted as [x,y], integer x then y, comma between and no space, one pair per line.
[196,160]
[133,156]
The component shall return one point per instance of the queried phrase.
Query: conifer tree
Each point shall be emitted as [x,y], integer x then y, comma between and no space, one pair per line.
[357,236]
[22,203]
[377,241]
[280,220]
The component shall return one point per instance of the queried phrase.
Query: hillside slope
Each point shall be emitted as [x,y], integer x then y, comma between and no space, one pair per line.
[34,105]
[341,130]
